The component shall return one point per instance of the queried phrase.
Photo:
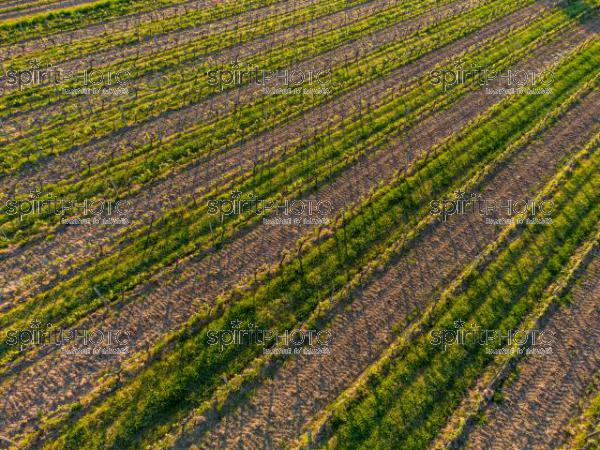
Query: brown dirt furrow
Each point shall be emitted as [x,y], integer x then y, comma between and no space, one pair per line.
[36,9]
[120,23]
[161,43]
[207,174]
[73,163]
[11,3]
[163,305]
[302,387]
[538,404]
[18,121]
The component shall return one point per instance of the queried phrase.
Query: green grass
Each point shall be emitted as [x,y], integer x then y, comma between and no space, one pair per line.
[192,370]
[188,229]
[405,403]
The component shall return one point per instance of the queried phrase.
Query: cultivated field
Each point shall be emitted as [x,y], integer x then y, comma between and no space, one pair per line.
[303,224]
